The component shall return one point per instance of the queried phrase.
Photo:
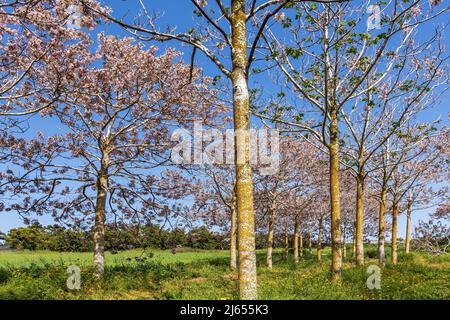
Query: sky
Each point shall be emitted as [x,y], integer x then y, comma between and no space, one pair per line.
[178,13]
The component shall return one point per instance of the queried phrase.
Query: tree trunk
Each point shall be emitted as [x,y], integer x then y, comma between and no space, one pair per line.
[344,241]
[233,258]
[300,241]
[319,240]
[309,241]
[296,236]
[270,238]
[381,224]
[336,259]
[394,232]
[286,240]
[359,220]
[408,230]
[354,242]
[244,182]
[99,220]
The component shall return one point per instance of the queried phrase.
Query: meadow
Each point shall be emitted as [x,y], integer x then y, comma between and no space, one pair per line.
[196,274]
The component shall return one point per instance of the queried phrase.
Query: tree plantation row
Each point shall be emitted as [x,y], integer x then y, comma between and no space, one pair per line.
[88,115]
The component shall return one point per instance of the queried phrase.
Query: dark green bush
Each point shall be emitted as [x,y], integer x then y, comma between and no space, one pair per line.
[371,254]
[4,275]
[117,237]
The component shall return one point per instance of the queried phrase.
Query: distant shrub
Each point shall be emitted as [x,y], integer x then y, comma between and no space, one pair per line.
[30,238]
[371,254]
[202,238]
[117,238]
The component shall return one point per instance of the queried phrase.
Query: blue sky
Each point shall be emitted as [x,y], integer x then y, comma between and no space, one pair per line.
[179,13]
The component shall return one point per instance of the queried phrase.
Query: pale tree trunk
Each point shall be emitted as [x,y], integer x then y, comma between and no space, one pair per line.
[394,232]
[296,236]
[344,241]
[319,240]
[309,241]
[354,242]
[244,182]
[300,240]
[408,230]
[233,258]
[99,220]
[359,220]
[381,225]
[336,259]
[286,240]
[269,257]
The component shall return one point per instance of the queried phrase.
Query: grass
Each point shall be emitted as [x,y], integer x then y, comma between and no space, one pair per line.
[24,258]
[205,275]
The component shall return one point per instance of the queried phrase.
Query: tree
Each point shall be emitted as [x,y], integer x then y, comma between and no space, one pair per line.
[432,236]
[116,115]
[320,234]
[348,208]
[32,238]
[299,174]
[301,210]
[443,211]
[215,202]
[423,162]
[402,147]
[418,197]
[35,36]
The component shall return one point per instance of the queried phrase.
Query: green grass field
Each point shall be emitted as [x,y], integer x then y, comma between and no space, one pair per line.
[25,258]
[153,274]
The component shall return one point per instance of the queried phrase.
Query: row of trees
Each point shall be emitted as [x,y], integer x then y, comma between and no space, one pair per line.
[354,147]
[293,203]
[117,238]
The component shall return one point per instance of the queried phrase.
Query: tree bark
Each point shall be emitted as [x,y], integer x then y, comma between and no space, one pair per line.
[244,175]
[344,241]
[269,257]
[394,232]
[336,259]
[286,240]
[300,240]
[233,257]
[99,220]
[354,241]
[359,220]
[381,225]
[309,241]
[319,240]
[296,236]
[408,229]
